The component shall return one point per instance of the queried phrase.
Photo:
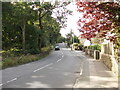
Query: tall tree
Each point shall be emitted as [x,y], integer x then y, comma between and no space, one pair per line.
[98,19]
[27,24]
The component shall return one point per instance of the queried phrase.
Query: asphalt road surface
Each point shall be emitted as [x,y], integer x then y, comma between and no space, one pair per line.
[58,70]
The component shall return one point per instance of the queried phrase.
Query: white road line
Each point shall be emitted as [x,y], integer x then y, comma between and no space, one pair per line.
[1,84]
[42,67]
[59,60]
[62,56]
[12,80]
[62,52]
[33,71]
[81,71]
[8,81]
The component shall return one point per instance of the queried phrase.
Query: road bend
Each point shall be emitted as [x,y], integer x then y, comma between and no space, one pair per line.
[58,70]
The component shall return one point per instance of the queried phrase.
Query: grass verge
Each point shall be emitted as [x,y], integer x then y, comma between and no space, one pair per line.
[23,59]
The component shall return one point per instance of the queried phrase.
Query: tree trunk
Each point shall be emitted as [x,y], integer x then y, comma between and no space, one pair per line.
[40,27]
[23,33]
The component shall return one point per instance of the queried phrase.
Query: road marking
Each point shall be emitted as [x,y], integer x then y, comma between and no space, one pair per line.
[81,71]
[8,81]
[59,60]
[62,56]
[42,67]
[12,80]
[62,52]
[1,84]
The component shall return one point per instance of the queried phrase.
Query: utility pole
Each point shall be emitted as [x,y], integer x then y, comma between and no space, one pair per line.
[72,39]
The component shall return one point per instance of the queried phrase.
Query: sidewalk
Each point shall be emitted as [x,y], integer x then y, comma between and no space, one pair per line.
[100,76]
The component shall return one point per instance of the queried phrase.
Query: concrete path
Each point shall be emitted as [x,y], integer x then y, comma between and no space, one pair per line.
[100,76]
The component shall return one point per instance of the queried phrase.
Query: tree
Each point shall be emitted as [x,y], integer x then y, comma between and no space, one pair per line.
[25,28]
[29,26]
[98,19]
[9,32]
[42,9]
[61,39]
[46,8]
[16,16]
[69,38]
[51,30]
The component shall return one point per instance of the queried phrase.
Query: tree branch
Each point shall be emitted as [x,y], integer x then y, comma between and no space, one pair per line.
[44,14]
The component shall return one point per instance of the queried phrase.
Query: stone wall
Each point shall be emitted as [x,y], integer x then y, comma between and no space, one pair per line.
[110,62]
[93,53]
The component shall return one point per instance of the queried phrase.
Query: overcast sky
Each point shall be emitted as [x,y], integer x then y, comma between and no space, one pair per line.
[72,21]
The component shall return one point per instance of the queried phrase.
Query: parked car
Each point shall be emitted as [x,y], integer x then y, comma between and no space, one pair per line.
[57,47]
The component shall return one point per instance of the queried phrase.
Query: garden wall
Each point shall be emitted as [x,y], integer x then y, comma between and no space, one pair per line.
[110,62]
[93,53]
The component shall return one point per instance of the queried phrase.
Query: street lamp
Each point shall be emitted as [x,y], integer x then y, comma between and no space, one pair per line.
[72,39]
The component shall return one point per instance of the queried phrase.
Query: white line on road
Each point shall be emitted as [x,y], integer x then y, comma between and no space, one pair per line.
[12,80]
[59,60]
[42,67]
[62,56]
[33,71]
[81,71]
[1,84]
[8,81]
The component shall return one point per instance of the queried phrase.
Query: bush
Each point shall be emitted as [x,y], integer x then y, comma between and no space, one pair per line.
[9,62]
[46,49]
[0,64]
[78,46]
[95,47]
[11,59]
[75,44]
[33,51]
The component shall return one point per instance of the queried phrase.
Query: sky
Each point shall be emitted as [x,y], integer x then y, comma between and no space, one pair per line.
[72,21]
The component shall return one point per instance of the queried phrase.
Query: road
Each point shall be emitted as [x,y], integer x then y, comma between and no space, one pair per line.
[58,70]
[61,69]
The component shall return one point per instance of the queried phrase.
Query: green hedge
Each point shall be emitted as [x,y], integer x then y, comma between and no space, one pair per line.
[95,47]
[78,46]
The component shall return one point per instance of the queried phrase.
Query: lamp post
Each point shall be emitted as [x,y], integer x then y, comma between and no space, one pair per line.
[72,39]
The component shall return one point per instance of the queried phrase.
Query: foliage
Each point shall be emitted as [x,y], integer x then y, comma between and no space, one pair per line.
[10,59]
[28,26]
[95,47]
[98,19]
[75,44]
[78,46]
[61,39]
[61,12]
[71,38]
[13,61]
